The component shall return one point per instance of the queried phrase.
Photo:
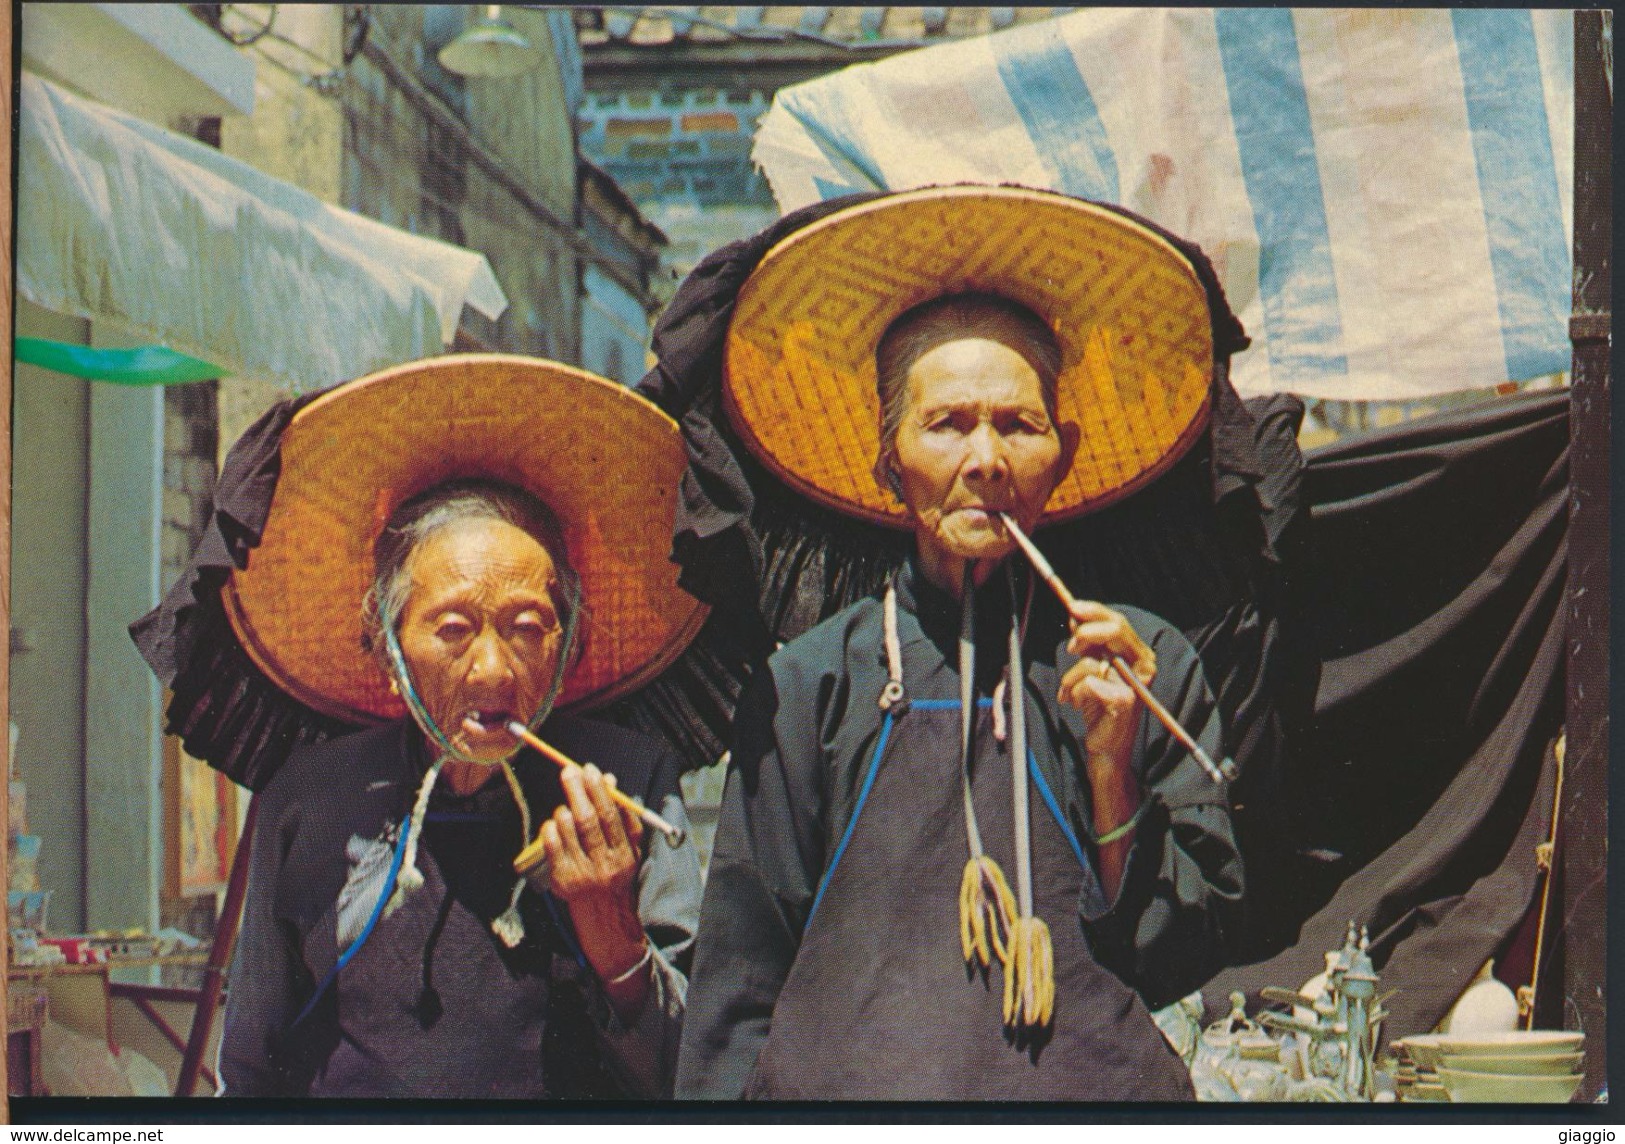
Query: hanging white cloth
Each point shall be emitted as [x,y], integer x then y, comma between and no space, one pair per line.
[119,219]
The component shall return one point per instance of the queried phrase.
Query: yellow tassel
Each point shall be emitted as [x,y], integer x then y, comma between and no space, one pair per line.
[972,932]
[1029,975]
[1005,899]
[986,910]
[1012,1002]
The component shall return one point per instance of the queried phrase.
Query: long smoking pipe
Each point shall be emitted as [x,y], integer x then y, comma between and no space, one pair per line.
[1216,771]
[674,835]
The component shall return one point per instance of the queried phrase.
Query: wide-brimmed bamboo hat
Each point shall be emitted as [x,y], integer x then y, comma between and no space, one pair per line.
[605,460]
[1127,307]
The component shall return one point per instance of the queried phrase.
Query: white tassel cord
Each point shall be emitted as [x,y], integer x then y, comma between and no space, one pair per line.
[1029,979]
[993,922]
[987,909]
[410,877]
[509,926]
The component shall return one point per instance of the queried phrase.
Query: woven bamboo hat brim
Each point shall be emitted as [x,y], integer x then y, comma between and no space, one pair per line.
[1129,312]
[606,461]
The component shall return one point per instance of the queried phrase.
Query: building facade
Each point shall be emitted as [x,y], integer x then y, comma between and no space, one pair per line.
[113,484]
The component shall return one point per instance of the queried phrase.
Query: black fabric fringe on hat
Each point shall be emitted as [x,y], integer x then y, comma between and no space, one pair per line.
[226,711]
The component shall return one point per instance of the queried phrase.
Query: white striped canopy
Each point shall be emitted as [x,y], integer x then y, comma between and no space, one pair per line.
[1385,194]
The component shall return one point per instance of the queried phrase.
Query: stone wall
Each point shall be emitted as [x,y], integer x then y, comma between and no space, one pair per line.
[191,448]
[403,166]
[295,133]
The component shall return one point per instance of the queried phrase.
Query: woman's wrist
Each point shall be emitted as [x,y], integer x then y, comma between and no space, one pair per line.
[1121,831]
[611,936]
[628,990]
[614,942]
[1117,801]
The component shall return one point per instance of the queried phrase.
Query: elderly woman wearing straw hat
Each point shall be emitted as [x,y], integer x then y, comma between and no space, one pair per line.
[956,859]
[456,548]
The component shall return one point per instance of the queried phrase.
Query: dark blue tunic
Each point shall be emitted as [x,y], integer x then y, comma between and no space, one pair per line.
[433,1005]
[867,997]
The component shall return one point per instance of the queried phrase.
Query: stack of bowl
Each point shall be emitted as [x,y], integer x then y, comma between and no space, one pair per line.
[1416,1076]
[1540,1067]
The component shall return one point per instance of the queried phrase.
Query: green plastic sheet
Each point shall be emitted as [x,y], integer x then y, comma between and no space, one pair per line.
[140,365]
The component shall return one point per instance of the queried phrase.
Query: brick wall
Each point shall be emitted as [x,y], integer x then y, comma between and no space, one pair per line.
[671,146]
[684,157]
[191,445]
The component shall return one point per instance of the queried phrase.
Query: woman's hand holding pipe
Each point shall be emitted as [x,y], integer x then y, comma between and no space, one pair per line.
[593,851]
[1110,709]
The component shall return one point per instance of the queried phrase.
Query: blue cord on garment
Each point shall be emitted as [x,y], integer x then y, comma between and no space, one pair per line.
[874,768]
[868,784]
[1055,811]
[366,931]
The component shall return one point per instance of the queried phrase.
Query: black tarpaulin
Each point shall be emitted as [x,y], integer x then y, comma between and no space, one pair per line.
[1432,578]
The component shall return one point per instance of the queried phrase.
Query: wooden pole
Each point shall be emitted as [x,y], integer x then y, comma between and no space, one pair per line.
[7,30]
[1583,827]
[214,976]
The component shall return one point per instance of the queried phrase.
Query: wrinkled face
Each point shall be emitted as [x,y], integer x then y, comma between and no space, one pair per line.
[976,439]
[480,632]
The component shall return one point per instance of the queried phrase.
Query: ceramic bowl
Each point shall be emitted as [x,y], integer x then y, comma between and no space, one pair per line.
[1540,1042]
[1539,1064]
[1496,1088]
[1428,1049]
[1423,1050]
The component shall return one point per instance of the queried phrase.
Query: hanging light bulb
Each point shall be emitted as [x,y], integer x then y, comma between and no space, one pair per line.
[491,49]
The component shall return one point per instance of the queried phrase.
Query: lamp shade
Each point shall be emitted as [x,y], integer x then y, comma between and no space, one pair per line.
[491,49]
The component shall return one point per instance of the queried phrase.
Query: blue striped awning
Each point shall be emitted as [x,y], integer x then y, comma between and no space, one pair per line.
[1386,194]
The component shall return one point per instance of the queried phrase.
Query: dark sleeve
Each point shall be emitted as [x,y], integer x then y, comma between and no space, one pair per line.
[644,1053]
[765,865]
[1179,905]
[268,977]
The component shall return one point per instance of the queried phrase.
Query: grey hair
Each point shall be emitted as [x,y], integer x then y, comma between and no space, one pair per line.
[921,329]
[455,502]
